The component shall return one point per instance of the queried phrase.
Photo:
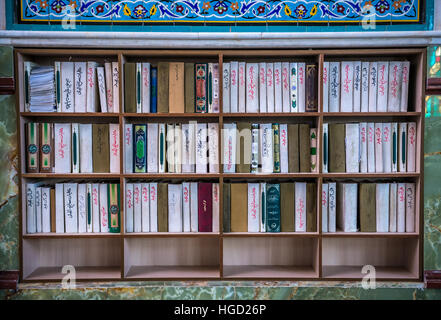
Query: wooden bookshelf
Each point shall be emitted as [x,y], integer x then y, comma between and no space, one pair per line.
[224,256]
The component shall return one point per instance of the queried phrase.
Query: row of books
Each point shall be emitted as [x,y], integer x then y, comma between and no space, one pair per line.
[72,147]
[269,87]
[171,87]
[369,147]
[269,148]
[368,207]
[72,208]
[72,87]
[366,86]
[171,147]
[164,207]
[268,207]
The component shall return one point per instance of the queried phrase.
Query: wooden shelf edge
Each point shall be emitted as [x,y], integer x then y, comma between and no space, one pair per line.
[171,235]
[70,114]
[372,114]
[270,234]
[70,235]
[369,235]
[372,175]
[72,175]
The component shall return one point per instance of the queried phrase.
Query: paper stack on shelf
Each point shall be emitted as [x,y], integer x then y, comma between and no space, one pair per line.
[42,89]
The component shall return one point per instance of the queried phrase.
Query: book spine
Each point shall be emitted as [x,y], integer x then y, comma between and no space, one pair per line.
[59,208]
[32,146]
[188,147]
[115,86]
[300,207]
[357,86]
[378,147]
[410,207]
[213,148]
[80,86]
[287,207]
[253,207]
[96,225]
[263,206]
[254,148]
[91,87]
[113,192]
[163,102]
[382,207]
[234,86]
[101,81]
[31,210]
[364,87]
[186,222]
[273,207]
[62,147]
[194,207]
[145,207]
[67,87]
[75,148]
[286,101]
[176,93]
[371,146]
[387,147]
[71,207]
[313,149]
[89,223]
[129,207]
[402,145]
[301,83]
[229,147]
[145,101]
[411,146]
[252,89]
[352,145]
[137,208]
[401,207]
[46,210]
[332,206]
[394,97]
[373,85]
[311,102]
[162,153]
[367,207]
[283,148]
[189,86]
[153,207]
[276,147]
[293,87]
[201,87]
[270,86]
[174,208]
[152,149]
[57,68]
[363,147]
[393,208]
[405,86]
[347,86]
[27,68]
[394,143]
[177,148]
[205,207]
[226,82]
[324,199]
[154,90]
[242,87]
[226,194]
[262,87]
[325,160]
[109,88]
[128,148]
[104,208]
[347,209]
[215,89]
[82,208]
[326,86]
[383,79]
[201,148]
[85,137]
[334,87]
[311,207]
[216,207]
[139,147]
[304,148]
[139,87]
[267,148]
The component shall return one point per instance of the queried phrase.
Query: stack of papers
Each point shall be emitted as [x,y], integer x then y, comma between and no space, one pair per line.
[42,89]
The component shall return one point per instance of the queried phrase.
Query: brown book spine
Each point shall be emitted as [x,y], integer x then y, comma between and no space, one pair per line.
[130,87]
[53,223]
[304,148]
[239,207]
[367,207]
[226,207]
[176,87]
[287,202]
[243,147]
[32,147]
[189,87]
[100,143]
[337,154]
[163,207]
[47,147]
[311,207]
[163,83]
[293,148]
[311,102]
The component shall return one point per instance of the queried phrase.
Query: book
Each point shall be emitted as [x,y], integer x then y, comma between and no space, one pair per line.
[145,207]
[301,83]
[252,88]
[152,149]
[234,86]
[101,83]
[163,87]
[86,148]
[67,87]
[177,148]
[332,206]
[313,149]
[253,207]
[405,68]
[201,148]
[130,88]
[272,207]
[283,133]
[176,91]
[382,86]
[393,207]
[373,85]
[89,222]
[100,144]
[32,147]
[57,74]
[293,148]
[31,210]
[115,86]
[394,143]
[75,148]
[370,146]
[138,90]
[325,81]
[285,77]
[128,148]
[80,73]
[243,151]
[300,206]
[402,147]
[92,87]
[410,207]
[394,89]
[162,207]
[347,207]
[27,69]
[96,221]
[114,207]
[311,207]
[188,147]
[378,147]
[162,153]
[262,87]
[254,148]
[140,147]
[367,207]
[276,147]
[46,209]
[175,208]
[263,206]
[189,87]
[154,90]
[365,72]
[104,208]
[109,85]
[71,207]
[214,105]
[62,134]
[226,82]
[278,98]
[194,207]
[334,86]
[411,146]
[137,208]
[114,142]
[59,208]
[153,206]
[382,207]
[170,146]
[213,147]
[357,86]
[347,86]
[146,87]
[226,194]
[337,153]
[241,105]
[293,86]
[205,207]
[229,148]
[325,153]
[186,207]
[325,204]
[304,148]
[215,207]
[352,147]
[270,87]
[238,212]
[311,100]
[401,207]
[363,147]
[129,207]
[201,87]
[387,147]
[287,207]
[266,147]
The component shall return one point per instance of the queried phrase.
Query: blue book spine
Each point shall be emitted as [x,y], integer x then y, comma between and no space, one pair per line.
[140,148]
[154,90]
[273,207]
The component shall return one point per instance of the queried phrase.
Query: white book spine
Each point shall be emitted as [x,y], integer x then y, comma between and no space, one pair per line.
[226,95]
[174,208]
[128,148]
[96,221]
[252,88]
[266,147]
[62,139]
[278,100]
[82,208]
[152,147]
[382,207]
[352,142]
[188,147]
[395,153]
[38,213]
[215,208]
[104,208]
[378,147]
[59,208]
[402,145]
[80,72]
[234,86]
[129,207]
[71,207]
[301,79]
[178,148]
[46,210]
[186,207]
[410,207]
[145,100]
[213,148]
[114,149]
[286,96]
[373,85]
[364,87]
[153,207]
[75,148]
[300,206]
[162,153]
[371,146]
[67,87]
[91,87]
[393,208]
[86,159]
[201,148]
[325,196]
[57,71]
[242,87]
[347,86]
[387,147]
[229,149]
[326,86]
[405,85]
[137,208]
[170,147]
[293,87]
[347,213]
[411,146]
[332,206]
[89,199]
[284,148]
[334,87]
[138,90]
[31,212]
[357,86]
[270,87]
[262,87]
[363,148]
[262,209]
[109,85]
[115,86]
[193,206]
[325,157]
[383,81]
[401,207]
[395,80]
[253,207]
[101,81]
[145,207]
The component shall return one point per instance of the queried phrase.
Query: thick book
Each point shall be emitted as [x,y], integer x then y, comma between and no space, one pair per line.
[101,81]
[46,210]
[373,86]
[137,208]
[357,86]
[387,147]
[293,148]
[301,86]
[145,207]
[189,87]
[252,88]
[145,87]
[104,208]
[154,90]
[234,86]
[332,207]
[411,146]
[67,87]
[272,207]
[378,147]
[201,148]
[383,86]
[238,212]
[71,207]
[92,88]
[382,207]
[401,207]
[241,105]
[393,207]
[311,207]
[86,148]
[334,86]
[304,148]
[101,148]
[394,89]
[364,86]
[38,209]
[347,207]
[229,148]
[286,101]
[371,146]
[287,207]
[130,87]
[113,193]
[410,207]
[31,210]
[283,133]
[140,148]
[255,161]
[394,146]
[75,148]
[32,147]
[114,145]
[262,87]
[405,69]
[226,83]
[325,206]
[352,147]
[188,147]
[201,73]
[175,208]
[205,207]
[80,73]
[109,88]
[170,146]
[300,206]
[129,207]
[194,207]
[276,147]
[59,208]
[215,207]
[347,86]
[253,207]
[152,147]
[278,107]
[325,81]
[270,86]
[186,202]
[226,196]
[367,207]
[115,86]
[176,87]
[163,87]
[128,148]
[213,147]
[162,207]
[162,153]
[266,147]
[153,206]
[337,154]
[62,133]
[363,147]
[96,225]
[293,86]
[177,148]
[213,98]
[325,153]
[311,94]
[313,149]
[243,151]
[402,146]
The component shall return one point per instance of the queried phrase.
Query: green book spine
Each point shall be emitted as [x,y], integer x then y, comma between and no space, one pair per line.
[226,207]
[311,207]
[313,149]
[130,87]
[189,87]
[304,148]
[100,143]
[287,199]
[276,144]
[337,153]
[293,148]
[367,207]
[273,207]
[32,147]
[163,207]
[140,148]
[113,196]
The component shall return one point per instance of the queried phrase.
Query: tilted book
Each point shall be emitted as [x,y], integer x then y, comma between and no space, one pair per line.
[383,86]
[86,151]
[129,207]
[114,147]
[252,88]
[262,87]
[75,148]
[226,107]
[101,82]
[67,87]
[278,103]
[175,208]
[62,132]
[80,73]
[253,207]
[92,88]
[242,88]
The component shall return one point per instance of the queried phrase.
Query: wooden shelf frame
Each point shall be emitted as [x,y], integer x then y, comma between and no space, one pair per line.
[417,56]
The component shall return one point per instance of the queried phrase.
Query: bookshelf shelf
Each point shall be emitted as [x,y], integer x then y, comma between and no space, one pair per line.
[223,256]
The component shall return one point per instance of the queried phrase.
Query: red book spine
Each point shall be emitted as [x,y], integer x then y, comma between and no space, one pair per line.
[205,207]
